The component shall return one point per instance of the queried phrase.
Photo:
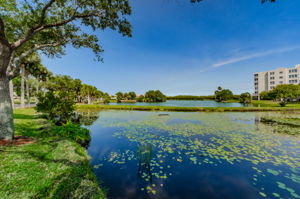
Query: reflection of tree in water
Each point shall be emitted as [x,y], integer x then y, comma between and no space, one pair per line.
[87,118]
[144,155]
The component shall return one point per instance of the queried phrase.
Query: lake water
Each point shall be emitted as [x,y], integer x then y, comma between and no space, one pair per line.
[184,103]
[140,155]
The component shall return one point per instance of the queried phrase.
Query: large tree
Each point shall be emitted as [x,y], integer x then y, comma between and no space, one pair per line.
[48,26]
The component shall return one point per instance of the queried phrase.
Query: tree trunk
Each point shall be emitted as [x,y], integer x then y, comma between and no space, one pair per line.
[27,91]
[22,86]
[6,111]
[37,91]
[11,92]
[44,88]
[89,99]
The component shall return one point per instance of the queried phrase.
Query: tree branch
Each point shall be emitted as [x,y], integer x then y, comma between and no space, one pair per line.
[3,39]
[44,10]
[41,26]
[36,28]
[14,67]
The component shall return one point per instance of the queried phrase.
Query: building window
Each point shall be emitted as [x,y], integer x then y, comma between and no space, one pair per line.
[256,79]
[272,82]
[293,70]
[271,87]
[281,82]
[272,73]
[293,81]
[293,76]
[272,77]
[281,72]
[255,75]
[281,77]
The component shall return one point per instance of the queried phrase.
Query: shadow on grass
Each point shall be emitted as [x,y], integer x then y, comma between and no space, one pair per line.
[32,130]
[24,117]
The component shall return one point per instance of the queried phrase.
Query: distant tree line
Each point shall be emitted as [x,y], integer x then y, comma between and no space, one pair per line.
[149,96]
[125,96]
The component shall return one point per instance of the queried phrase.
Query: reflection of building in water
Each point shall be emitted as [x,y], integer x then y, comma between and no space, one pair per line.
[144,155]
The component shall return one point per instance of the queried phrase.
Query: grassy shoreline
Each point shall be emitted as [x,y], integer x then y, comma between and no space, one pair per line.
[51,167]
[186,109]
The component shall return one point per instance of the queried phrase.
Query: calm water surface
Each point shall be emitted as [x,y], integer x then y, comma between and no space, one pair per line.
[138,155]
[184,103]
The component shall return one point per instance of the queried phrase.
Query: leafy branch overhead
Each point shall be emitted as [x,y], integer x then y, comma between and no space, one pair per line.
[27,26]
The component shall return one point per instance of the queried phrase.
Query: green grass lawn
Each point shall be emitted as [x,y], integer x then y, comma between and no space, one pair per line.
[52,167]
[270,103]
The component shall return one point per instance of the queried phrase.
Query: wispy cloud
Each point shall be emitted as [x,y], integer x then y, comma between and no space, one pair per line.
[254,55]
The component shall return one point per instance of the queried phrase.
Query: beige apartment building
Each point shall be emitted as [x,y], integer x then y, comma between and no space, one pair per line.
[266,81]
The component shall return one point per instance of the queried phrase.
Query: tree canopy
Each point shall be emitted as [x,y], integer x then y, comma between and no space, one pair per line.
[223,94]
[28,26]
[154,96]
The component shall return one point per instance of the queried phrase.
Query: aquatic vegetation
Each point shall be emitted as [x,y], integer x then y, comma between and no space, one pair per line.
[283,125]
[198,139]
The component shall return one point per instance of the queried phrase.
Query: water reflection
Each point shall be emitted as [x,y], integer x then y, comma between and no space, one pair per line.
[144,154]
[217,155]
[87,118]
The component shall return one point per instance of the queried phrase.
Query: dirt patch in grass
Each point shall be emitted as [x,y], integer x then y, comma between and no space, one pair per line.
[18,140]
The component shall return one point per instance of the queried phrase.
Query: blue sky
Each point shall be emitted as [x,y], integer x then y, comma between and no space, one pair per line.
[184,48]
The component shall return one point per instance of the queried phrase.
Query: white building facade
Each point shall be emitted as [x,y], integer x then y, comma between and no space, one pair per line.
[266,81]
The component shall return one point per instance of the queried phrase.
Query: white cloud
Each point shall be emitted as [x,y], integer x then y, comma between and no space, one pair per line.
[254,55]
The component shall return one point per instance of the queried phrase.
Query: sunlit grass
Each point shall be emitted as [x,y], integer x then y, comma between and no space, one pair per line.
[52,167]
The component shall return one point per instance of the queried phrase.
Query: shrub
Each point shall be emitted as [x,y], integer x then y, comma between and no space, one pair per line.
[245,98]
[282,103]
[155,96]
[140,98]
[74,132]
[223,94]
[58,107]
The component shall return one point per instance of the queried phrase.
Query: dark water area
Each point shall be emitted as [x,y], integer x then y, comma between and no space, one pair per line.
[193,155]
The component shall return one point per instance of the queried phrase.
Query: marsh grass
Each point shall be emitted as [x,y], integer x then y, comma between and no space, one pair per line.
[52,167]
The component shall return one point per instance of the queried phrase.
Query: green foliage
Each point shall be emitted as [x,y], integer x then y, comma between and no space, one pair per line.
[90,93]
[154,96]
[57,106]
[284,93]
[74,132]
[223,94]
[245,98]
[119,96]
[125,96]
[55,23]
[265,95]
[130,96]
[59,100]
[140,98]
[106,98]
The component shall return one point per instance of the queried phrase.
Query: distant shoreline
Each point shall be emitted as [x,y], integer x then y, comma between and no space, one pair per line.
[185,109]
